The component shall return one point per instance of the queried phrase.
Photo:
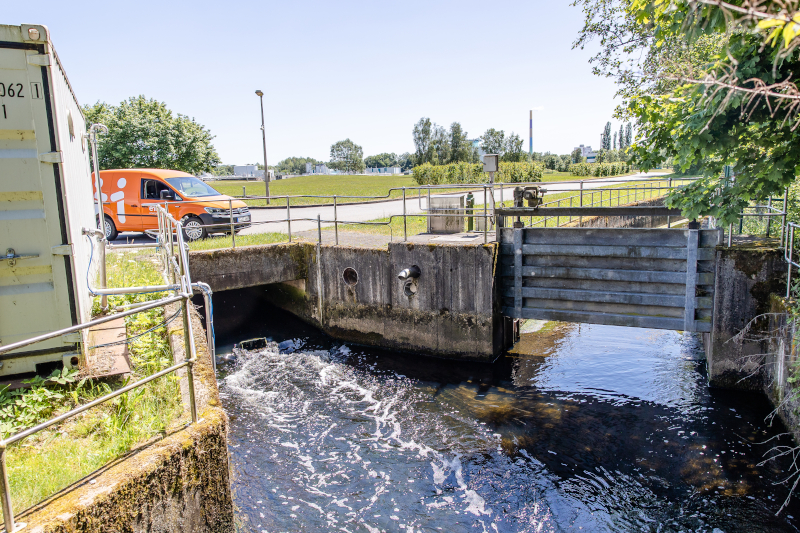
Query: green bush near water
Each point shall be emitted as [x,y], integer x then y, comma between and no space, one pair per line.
[457,173]
[600,170]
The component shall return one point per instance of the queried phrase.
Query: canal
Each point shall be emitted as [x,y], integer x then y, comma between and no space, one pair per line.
[580,428]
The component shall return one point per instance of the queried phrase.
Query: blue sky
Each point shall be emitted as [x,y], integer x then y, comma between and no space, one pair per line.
[331,70]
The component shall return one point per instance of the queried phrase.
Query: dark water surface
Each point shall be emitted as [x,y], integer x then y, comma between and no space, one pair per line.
[583,428]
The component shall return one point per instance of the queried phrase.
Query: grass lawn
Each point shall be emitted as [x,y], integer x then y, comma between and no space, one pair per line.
[345,186]
[50,460]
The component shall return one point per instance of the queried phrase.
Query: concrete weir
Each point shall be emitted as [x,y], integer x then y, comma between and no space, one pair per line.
[353,293]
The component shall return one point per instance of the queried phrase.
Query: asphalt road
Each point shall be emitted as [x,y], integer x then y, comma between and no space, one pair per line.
[273,220]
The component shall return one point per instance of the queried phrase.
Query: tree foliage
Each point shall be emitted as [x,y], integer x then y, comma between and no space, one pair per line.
[382,160]
[347,156]
[438,146]
[295,165]
[144,133]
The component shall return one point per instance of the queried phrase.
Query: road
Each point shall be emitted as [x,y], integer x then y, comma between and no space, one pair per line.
[273,220]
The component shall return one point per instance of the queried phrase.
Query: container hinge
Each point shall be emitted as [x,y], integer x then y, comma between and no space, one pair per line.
[51,157]
[72,338]
[41,60]
[12,256]
[62,249]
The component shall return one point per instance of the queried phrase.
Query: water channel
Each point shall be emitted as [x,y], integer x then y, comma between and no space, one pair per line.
[581,428]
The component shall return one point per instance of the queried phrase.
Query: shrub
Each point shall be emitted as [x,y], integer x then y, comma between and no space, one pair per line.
[600,170]
[458,173]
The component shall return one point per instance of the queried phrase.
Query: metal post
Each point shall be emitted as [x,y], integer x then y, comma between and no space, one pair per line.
[580,218]
[264,140]
[230,215]
[783,217]
[485,221]
[501,194]
[788,252]
[8,512]
[335,221]
[244,191]
[730,234]
[319,229]
[769,213]
[405,227]
[289,218]
[187,339]
[101,253]
[429,201]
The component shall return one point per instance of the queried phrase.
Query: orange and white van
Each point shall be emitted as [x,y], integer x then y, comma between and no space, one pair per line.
[130,196]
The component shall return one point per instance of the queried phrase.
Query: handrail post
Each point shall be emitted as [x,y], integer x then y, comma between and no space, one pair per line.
[769,215]
[405,224]
[788,253]
[230,214]
[8,511]
[319,229]
[783,217]
[580,218]
[187,336]
[289,218]
[485,220]
[335,221]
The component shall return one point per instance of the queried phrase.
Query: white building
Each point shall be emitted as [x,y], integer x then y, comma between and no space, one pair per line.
[247,171]
[587,152]
[384,170]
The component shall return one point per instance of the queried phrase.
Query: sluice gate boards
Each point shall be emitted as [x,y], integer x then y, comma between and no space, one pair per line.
[648,278]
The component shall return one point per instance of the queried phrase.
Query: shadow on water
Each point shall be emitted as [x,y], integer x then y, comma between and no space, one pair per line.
[594,428]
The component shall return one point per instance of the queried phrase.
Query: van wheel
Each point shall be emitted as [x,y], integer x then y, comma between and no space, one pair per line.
[193,229]
[109,228]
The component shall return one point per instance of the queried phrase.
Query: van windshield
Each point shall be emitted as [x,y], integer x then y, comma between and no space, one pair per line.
[191,186]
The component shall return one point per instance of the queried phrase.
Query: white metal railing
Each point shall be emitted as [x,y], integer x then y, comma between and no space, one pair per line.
[493,194]
[170,236]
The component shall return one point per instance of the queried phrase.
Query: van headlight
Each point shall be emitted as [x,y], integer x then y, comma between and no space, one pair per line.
[216,212]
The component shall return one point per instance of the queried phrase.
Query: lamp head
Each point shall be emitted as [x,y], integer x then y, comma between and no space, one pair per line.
[259,93]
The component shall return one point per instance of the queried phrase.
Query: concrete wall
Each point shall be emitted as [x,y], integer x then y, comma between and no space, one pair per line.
[180,482]
[747,274]
[780,364]
[453,314]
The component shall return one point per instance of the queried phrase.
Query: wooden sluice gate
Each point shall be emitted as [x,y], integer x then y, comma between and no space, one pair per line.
[651,278]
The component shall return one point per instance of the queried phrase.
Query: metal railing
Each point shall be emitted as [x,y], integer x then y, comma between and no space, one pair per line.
[170,235]
[493,195]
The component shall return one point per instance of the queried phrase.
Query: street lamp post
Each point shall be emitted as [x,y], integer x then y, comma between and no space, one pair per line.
[264,140]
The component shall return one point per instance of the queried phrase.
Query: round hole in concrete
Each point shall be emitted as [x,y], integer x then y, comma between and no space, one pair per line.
[410,288]
[74,361]
[350,276]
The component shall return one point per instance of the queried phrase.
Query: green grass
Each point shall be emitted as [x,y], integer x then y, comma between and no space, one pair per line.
[214,243]
[52,459]
[344,186]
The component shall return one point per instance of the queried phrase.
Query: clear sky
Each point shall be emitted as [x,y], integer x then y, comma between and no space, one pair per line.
[367,70]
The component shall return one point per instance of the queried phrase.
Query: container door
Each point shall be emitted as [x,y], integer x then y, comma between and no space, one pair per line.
[36,285]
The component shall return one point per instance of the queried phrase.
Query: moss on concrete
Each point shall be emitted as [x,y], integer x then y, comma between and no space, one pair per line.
[180,482]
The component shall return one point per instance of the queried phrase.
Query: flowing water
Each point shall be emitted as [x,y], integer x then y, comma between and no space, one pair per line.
[582,428]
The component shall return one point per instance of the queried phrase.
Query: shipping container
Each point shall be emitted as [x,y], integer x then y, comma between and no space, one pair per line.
[45,201]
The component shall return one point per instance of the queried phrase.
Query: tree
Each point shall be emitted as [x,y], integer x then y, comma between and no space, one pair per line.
[347,156]
[628,135]
[621,137]
[741,109]
[460,147]
[144,133]
[440,146]
[406,161]
[576,156]
[493,141]
[512,151]
[614,145]
[294,165]
[422,141]
[382,160]
[607,137]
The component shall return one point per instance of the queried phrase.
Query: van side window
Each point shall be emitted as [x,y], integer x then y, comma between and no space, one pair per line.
[151,189]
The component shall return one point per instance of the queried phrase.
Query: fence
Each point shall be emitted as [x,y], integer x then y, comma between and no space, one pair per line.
[587,193]
[170,234]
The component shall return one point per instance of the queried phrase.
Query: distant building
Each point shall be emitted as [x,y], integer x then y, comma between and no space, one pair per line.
[246,171]
[384,170]
[587,152]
